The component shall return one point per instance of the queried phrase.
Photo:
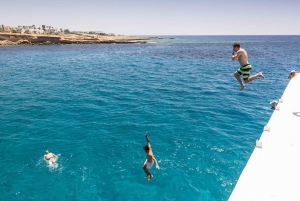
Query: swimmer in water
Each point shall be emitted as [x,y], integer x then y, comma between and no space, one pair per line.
[50,158]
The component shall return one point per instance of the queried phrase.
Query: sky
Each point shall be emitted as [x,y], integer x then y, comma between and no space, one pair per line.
[158,17]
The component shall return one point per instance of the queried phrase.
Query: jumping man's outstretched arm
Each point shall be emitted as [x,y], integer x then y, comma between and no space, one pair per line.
[156,163]
[148,141]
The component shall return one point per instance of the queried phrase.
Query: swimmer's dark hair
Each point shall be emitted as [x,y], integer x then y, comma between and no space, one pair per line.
[146,148]
[236,45]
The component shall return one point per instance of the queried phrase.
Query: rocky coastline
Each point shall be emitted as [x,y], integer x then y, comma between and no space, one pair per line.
[8,39]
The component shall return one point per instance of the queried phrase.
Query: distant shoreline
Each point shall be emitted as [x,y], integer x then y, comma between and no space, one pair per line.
[8,39]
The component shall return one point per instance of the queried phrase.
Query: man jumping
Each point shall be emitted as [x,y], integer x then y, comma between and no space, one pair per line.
[241,55]
[150,159]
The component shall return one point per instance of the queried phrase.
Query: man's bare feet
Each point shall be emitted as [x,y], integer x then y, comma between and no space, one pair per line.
[261,75]
[150,177]
[242,87]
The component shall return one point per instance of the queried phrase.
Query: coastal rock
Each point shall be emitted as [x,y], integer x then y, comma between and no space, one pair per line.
[23,42]
[7,42]
[31,39]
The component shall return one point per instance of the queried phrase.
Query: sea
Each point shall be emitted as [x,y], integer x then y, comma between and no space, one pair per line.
[92,104]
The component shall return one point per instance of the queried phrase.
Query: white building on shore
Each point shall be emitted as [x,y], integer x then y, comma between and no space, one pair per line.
[7,28]
[33,31]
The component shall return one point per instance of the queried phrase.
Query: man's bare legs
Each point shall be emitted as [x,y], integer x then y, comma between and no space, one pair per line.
[147,172]
[237,76]
[250,79]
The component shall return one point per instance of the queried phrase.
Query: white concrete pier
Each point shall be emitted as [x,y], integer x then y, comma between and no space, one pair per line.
[273,170]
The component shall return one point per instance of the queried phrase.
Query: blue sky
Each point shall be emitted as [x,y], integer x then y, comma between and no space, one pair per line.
[164,17]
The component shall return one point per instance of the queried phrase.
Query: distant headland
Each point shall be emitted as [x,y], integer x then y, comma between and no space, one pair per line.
[47,35]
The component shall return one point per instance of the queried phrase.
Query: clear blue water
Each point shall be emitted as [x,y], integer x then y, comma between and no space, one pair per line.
[92,104]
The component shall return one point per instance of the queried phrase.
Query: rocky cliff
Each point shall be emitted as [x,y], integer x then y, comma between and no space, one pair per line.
[34,39]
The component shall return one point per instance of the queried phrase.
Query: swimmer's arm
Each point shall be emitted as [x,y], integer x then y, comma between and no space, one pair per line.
[148,141]
[156,163]
[235,56]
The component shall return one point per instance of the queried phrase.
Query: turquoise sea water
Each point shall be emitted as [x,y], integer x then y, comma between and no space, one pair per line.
[92,105]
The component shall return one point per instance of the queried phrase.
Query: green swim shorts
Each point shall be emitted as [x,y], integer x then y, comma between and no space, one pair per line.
[245,71]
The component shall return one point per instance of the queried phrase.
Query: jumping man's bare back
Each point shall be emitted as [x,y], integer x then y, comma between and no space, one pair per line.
[242,57]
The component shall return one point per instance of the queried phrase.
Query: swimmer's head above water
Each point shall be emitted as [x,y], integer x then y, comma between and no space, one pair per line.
[292,74]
